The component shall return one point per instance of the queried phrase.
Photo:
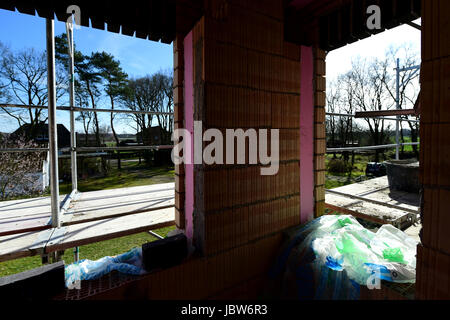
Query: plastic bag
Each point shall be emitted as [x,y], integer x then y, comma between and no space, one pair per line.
[330,257]
[351,247]
[128,263]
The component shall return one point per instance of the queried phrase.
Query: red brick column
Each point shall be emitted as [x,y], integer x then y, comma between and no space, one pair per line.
[433,256]
[320,143]
[178,81]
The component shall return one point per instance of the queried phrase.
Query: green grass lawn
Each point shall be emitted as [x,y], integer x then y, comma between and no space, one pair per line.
[132,174]
[336,180]
[92,251]
[408,148]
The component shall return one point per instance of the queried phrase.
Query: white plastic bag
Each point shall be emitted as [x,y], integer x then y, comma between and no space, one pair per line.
[128,263]
[341,243]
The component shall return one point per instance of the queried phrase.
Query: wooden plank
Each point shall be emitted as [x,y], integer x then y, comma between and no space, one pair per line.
[23,245]
[17,226]
[114,210]
[373,201]
[26,215]
[125,192]
[90,232]
[366,187]
[354,213]
[33,243]
[377,190]
[105,204]
[383,113]
[25,207]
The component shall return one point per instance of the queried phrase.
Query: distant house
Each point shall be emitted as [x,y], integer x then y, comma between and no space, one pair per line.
[31,182]
[90,140]
[154,136]
[39,134]
[3,136]
[127,137]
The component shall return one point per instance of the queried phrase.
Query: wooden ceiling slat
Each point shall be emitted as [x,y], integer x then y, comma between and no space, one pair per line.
[126,30]
[406,10]
[97,16]
[113,27]
[112,24]
[26,7]
[7,5]
[345,21]
[150,19]
[60,10]
[324,33]
[141,35]
[45,10]
[97,23]
[417,8]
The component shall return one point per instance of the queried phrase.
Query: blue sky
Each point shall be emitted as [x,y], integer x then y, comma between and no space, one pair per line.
[339,61]
[139,57]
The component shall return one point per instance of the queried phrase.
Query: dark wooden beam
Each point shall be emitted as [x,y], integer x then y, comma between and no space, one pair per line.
[383,113]
[345,21]
[153,19]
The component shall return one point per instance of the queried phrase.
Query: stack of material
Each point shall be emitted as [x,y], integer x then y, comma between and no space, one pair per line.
[332,256]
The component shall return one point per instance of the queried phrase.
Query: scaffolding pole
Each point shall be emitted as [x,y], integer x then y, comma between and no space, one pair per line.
[52,126]
[384,146]
[397,102]
[73,140]
[331,114]
[79,109]
[73,137]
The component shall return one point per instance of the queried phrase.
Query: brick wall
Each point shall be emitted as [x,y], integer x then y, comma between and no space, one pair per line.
[245,76]
[433,256]
[178,80]
[236,274]
[320,142]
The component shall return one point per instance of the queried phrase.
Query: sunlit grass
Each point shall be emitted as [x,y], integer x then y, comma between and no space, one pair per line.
[92,251]
[132,174]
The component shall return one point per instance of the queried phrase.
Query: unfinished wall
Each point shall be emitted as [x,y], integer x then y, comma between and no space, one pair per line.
[320,139]
[245,76]
[178,80]
[241,75]
[433,257]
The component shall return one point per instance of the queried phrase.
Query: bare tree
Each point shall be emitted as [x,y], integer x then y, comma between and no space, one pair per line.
[24,75]
[341,129]
[88,82]
[369,94]
[152,93]
[82,100]
[3,86]
[165,103]
[409,83]
[18,170]
[334,104]
[142,95]
[90,79]
[114,85]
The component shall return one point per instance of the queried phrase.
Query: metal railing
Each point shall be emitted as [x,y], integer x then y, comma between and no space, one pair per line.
[53,150]
[83,109]
[398,119]
[385,146]
[397,145]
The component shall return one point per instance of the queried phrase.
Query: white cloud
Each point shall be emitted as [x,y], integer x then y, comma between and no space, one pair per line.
[339,61]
